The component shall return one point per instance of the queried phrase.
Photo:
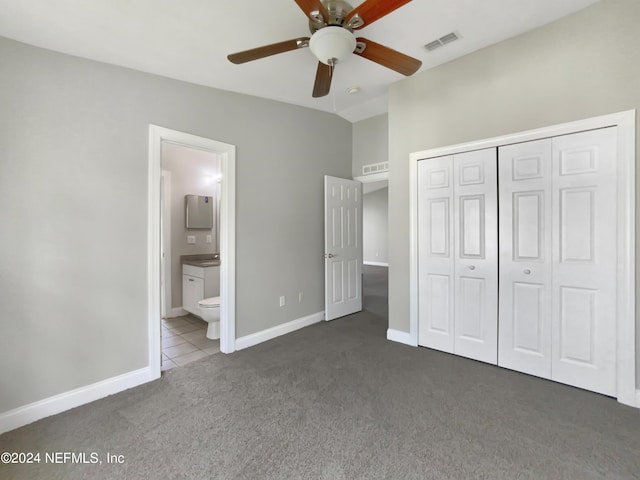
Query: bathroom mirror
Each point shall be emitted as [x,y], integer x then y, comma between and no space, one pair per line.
[199,211]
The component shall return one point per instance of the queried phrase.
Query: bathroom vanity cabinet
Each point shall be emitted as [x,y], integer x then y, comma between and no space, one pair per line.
[199,283]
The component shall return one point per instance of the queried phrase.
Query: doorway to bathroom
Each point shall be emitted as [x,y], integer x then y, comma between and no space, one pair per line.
[212,170]
[190,264]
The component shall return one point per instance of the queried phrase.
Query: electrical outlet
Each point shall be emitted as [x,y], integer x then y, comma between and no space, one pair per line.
[191,239]
[209,239]
[300,297]
[282,302]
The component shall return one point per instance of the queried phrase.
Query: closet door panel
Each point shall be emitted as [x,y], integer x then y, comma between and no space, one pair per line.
[438,310]
[471,208]
[525,267]
[471,302]
[584,260]
[475,244]
[528,319]
[435,254]
[528,225]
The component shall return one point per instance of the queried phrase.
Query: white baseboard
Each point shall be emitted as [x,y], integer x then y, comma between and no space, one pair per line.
[273,332]
[399,336]
[27,414]
[176,312]
[376,264]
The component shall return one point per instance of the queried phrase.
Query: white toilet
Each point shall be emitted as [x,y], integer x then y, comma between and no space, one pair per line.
[210,313]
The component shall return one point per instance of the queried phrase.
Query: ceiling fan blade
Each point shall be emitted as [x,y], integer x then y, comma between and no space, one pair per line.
[323,80]
[370,11]
[268,50]
[310,7]
[387,57]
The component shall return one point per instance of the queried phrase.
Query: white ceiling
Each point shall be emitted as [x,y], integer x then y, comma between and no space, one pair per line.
[190,39]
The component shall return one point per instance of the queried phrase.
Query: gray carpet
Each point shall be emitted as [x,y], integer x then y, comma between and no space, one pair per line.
[338,401]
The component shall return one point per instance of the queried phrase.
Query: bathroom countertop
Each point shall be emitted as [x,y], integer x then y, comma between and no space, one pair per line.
[202,260]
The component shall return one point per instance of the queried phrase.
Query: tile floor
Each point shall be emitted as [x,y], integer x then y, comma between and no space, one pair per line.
[184,340]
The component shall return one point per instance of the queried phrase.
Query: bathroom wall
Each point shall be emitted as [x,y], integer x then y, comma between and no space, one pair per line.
[74,137]
[192,172]
[375,230]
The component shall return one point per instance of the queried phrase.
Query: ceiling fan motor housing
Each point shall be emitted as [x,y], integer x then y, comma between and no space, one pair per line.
[338,11]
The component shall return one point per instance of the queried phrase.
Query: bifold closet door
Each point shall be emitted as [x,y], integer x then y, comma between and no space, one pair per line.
[584,255]
[558,259]
[457,254]
[476,255]
[436,281]
[525,200]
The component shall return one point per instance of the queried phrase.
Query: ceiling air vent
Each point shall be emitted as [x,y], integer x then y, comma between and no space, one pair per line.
[442,41]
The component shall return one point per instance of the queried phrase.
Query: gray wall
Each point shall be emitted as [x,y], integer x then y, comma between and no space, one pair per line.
[375,231]
[73,204]
[192,173]
[584,65]
[370,142]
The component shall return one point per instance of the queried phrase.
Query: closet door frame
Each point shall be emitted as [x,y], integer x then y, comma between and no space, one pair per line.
[626,322]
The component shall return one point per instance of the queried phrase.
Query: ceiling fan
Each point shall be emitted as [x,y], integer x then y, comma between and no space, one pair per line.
[332,23]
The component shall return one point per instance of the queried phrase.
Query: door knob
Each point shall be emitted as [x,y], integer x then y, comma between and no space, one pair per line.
[329,255]
[472,267]
[527,271]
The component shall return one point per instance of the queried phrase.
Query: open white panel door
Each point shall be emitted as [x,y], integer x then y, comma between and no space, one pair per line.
[342,247]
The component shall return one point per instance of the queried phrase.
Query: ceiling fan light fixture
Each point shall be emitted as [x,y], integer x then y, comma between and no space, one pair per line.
[332,44]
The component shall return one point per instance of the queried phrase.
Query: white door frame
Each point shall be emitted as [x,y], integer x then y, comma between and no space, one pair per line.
[227,153]
[373,177]
[626,321]
[165,235]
